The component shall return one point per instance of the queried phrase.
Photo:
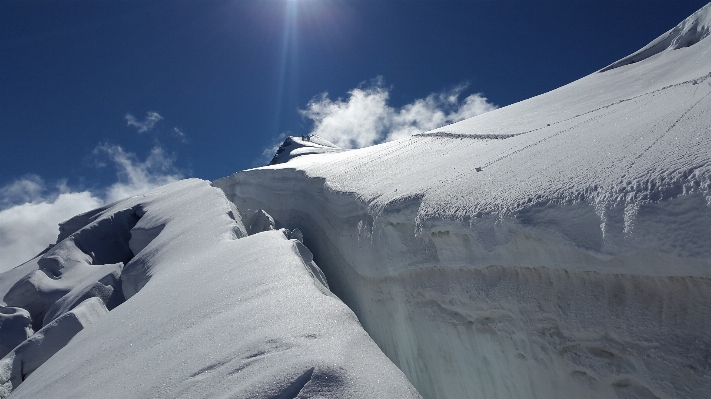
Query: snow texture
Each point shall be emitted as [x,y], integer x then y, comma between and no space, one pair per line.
[294,146]
[38,348]
[206,311]
[555,248]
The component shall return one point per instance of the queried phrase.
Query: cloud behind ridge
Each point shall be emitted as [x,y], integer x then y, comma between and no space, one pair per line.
[31,209]
[365,118]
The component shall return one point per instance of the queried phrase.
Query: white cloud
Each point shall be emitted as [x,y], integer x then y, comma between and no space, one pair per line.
[30,210]
[151,119]
[26,189]
[357,122]
[28,228]
[179,133]
[365,118]
[135,177]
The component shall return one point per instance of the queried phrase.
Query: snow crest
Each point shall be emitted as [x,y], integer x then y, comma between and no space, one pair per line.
[689,32]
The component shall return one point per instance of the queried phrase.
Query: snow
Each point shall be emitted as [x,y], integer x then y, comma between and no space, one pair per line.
[15,328]
[609,148]
[689,32]
[294,147]
[209,311]
[33,352]
[555,248]
[86,263]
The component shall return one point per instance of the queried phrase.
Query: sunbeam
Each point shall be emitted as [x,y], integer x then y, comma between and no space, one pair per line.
[288,62]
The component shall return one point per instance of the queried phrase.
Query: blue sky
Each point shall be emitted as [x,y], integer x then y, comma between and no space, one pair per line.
[107,98]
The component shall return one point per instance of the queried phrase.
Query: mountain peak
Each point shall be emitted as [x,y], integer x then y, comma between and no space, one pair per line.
[295,146]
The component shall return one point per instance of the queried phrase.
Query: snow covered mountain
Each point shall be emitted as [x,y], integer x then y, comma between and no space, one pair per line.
[558,247]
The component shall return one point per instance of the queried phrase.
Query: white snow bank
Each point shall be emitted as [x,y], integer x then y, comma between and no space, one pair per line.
[214,313]
[554,248]
[295,146]
[33,352]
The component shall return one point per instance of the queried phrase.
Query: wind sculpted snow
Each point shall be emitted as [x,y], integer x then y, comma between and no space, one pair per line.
[555,248]
[210,312]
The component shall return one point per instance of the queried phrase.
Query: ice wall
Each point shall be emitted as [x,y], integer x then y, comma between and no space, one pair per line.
[465,320]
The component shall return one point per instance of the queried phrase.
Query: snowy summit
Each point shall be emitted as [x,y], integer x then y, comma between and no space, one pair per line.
[555,248]
[294,146]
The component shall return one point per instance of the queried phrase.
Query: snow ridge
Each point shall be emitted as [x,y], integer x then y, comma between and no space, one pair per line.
[210,311]
[573,327]
[304,145]
[692,30]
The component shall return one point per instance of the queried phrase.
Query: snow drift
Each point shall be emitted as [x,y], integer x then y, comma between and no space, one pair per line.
[555,248]
[206,310]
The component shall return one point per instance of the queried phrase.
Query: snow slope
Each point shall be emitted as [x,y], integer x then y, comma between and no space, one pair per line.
[555,248]
[206,311]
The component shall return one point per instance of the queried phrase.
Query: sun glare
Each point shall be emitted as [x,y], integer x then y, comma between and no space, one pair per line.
[288,57]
